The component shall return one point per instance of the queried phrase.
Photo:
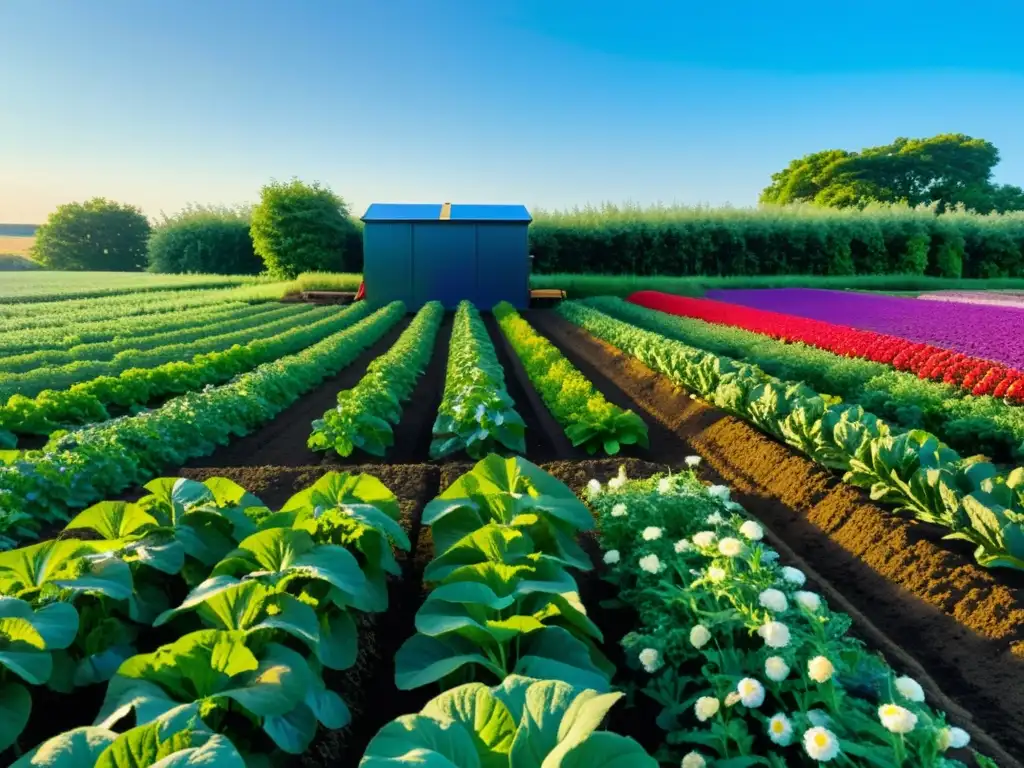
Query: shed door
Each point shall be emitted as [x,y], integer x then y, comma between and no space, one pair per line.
[504,268]
[387,262]
[444,263]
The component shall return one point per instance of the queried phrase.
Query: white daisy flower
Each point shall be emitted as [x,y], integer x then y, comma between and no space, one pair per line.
[776,669]
[821,744]
[909,689]
[751,530]
[651,660]
[618,510]
[693,760]
[773,600]
[683,545]
[665,485]
[594,487]
[716,574]
[706,707]
[780,730]
[820,669]
[720,492]
[897,719]
[693,461]
[699,636]
[775,634]
[730,547]
[808,601]
[650,563]
[751,692]
[704,539]
[794,576]
[611,557]
[652,533]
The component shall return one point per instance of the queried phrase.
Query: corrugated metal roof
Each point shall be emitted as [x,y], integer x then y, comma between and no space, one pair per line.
[458,212]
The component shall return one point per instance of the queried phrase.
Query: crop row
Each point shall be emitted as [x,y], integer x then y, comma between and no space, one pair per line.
[969,424]
[366,415]
[745,665]
[14,317]
[476,415]
[34,381]
[203,326]
[972,374]
[88,401]
[912,469]
[588,418]
[79,467]
[504,611]
[64,336]
[256,604]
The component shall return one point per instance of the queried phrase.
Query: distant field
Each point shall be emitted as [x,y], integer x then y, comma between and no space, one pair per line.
[12,244]
[46,285]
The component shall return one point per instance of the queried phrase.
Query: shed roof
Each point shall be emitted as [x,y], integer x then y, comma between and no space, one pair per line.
[457,212]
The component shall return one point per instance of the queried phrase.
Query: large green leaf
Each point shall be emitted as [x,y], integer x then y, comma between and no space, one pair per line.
[76,748]
[56,623]
[601,750]
[554,654]
[421,741]
[15,708]
[338,489]
[276,686]
[492,542]
[422,660]
[113,520]
[485,718]
[337,646]
[68,564]
[292,731]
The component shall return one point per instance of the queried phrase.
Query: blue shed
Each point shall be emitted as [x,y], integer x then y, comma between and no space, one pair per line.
[444,252]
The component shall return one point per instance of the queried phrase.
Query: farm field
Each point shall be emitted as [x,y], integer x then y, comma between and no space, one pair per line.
[784,551]
[45,285]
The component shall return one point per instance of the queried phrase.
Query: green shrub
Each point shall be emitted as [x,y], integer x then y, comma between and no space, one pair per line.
[204,240]
[98,235]
[301,227]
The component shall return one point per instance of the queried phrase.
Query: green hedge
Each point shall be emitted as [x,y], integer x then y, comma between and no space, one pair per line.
[777,240]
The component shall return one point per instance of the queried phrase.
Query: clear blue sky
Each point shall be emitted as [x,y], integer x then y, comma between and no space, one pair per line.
[547,102]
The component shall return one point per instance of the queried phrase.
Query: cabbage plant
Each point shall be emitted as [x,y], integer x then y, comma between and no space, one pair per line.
[522,722]
[512,492]
[210,673]
[157,745]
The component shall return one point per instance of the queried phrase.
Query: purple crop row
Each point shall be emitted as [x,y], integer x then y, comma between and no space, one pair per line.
[990,332]
[1008,300]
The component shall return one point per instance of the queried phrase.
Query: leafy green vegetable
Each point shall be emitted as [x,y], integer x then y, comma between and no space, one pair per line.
[522,722]
[588,418]
[366,414]
[477,415]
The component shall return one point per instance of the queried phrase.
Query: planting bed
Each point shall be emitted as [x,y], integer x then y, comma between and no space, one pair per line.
[953,625]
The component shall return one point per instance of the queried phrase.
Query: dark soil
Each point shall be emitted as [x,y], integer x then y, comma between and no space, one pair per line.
[963,623]
[282,442]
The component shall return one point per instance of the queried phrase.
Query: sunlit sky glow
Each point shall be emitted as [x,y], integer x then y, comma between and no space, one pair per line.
[549,103]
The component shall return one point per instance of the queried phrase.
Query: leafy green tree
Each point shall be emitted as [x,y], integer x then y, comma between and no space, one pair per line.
[204,239]
[98,235]
[946,170]
[301,227]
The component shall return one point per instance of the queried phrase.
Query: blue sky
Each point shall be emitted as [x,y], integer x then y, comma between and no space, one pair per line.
[551,103]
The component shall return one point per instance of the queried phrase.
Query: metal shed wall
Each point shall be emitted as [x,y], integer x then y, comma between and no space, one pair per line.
[480,253]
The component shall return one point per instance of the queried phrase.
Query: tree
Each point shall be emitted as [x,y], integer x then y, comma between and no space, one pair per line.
[204,239]
[947,170]
[98,234]
[301,227]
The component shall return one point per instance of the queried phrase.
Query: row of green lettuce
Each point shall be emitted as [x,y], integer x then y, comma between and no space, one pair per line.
[79,467]
[209,619]
[110,329]
[503,631]
[967,423]
[91,401]
[910,469]
[745,664]
[366,414]
[477,415]
[34,380]
[589,420]
[204,324]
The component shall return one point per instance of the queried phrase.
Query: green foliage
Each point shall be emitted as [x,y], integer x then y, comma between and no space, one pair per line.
[366,414]
[299,227]
[12,262]
[727,637]
[504,602]
[947,170]
[776,240]
[95,235]
[588,418]
[910,469]
[204,240]
[477,414]
[520,722]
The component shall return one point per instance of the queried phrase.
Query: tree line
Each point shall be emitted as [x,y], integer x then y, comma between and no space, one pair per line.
[296,227]
[915,206]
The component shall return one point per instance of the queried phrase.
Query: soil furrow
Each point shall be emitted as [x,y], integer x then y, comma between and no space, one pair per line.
[282,442]
[962,623]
